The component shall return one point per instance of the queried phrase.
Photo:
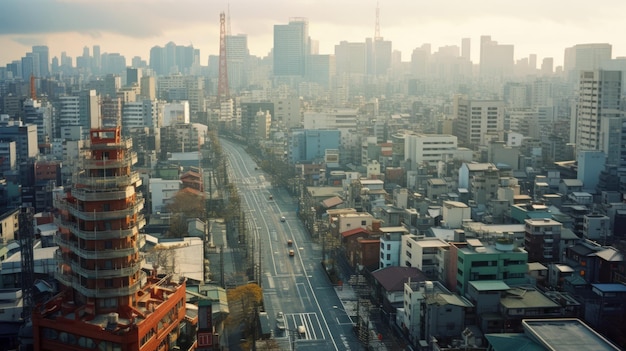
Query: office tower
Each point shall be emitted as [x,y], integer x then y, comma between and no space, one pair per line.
[477,120]
[113,63]
[321,68]
[547,66]
[30,66]
[378,56]
[351,59]
[420,59]
[496,60]
[112,83]
[8,155]
[598,98]
[133,76]
[111,302]
[585,57]
[157,60]
[291,47]
[236,57]
[84,62]
[81,111]
[148,87]
[142,114]
[24,135]
[97,60]
[38,113]
[173,58]
[44,60]
[466,46]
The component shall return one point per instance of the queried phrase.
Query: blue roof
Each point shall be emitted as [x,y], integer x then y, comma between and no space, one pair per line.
[610,287]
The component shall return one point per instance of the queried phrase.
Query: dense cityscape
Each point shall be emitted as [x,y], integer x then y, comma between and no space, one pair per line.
[347,201]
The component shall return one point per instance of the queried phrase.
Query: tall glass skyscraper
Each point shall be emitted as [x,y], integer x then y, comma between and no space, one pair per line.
[291,47]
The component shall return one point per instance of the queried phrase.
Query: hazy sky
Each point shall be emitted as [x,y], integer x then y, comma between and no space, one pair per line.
[132,27]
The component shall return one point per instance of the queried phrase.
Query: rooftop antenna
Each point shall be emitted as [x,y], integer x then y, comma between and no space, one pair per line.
[377,28]
[228,32]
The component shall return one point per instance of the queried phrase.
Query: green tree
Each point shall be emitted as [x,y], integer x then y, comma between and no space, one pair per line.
[184,205]
[242,303]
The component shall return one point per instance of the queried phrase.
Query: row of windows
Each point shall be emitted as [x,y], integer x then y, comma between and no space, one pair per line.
[71,339]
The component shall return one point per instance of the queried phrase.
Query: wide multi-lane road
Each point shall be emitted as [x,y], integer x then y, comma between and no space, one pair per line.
[293,284]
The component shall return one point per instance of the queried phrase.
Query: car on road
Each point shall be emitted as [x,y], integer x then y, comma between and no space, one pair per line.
[280,321]
[282,218]
[271,197]
[289,242]
[291,253]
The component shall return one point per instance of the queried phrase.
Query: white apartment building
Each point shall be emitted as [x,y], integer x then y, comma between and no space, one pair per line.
[69,111]
[349,221]
[454,214]
[422,253]
[598,99]
[162,190]
[176,112]
[476,120]
[429,148]
[597,227]
[141,114]
[390,245]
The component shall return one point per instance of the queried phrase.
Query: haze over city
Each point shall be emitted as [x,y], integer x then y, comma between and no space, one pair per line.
[544,28]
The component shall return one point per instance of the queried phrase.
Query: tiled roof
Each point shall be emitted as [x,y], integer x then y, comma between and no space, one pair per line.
[393,278]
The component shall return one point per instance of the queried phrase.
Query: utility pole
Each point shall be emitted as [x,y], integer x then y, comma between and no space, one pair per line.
[27,237]
[362,303]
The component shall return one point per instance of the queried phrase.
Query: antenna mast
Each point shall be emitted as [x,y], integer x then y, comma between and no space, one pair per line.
[377,28]
[228,32]
[222,83]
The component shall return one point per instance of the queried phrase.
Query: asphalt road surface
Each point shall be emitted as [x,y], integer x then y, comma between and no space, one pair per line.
[295,285]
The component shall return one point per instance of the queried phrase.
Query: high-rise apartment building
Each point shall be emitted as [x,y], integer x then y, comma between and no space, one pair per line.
[496,60]
[107,301]
[585,57]
[598,98]
[142,114]
[476,120]
[291,47]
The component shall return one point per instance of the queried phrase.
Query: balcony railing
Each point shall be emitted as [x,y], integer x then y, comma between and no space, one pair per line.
[105,273]
[129,159]
[78,212]
[74,282]
[85,194]
[101,234]
[125,143]
[107,182]
[99,254]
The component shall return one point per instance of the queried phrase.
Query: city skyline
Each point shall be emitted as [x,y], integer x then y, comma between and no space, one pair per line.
[131,29]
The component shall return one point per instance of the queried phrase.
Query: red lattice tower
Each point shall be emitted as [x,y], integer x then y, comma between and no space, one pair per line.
[222,82]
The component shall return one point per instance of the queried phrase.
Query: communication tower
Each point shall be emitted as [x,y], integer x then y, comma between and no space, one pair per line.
[222,83]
